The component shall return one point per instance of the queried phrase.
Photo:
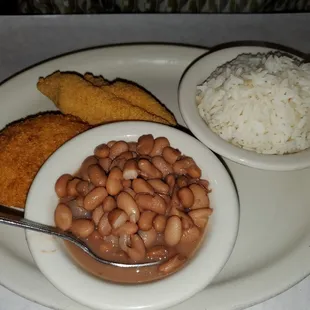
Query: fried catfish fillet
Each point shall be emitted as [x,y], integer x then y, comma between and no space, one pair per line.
[25,145]
[134,94]
[96,101]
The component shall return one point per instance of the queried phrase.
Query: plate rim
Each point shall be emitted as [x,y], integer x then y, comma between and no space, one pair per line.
[241,304]
[128,45]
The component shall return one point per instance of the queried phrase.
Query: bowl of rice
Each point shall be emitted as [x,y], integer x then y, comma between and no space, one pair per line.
[251,105]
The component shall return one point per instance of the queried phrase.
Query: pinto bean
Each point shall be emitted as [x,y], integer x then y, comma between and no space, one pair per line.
[170,180]
[172,264]
[187,222]
[84,187]
[148,236]
[111,143]
[173,231]
[159,144]
[190,235]
[159,223]
[137,250]
[201,199]
[130,170]
[71,187]
[127,228]
[80,201]
[186,197]
[145,144]
[130,191]
[109,204]
[166,198]
[105,164]
[102,151]
[63,217]
[104,226]
[194,172]
[132,146]
[97,215]
[117,218]
[77,211]
[61,185]
[97,175]
[146,220]
[164,167]
[90,160]
[175,201]
[200,217]
[121,160]
[141,186]
[126,203]
[114,182]
[159,186]
[187,165]
[82,228]
[153,203]
[171,155]
[118,162]
[94,198]
[126,183]
[204,184]
[118,148]
[148,170]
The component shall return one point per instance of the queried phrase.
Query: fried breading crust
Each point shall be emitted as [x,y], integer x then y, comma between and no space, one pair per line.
[92,100]
[98,81]
[25,145]
[134,94]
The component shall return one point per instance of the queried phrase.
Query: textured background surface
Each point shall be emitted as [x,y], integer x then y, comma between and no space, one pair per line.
[166,6]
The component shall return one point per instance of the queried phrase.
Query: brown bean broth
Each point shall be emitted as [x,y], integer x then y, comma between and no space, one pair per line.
[126,275]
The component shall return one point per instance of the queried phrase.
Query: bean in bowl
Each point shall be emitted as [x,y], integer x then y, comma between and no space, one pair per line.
[135,202]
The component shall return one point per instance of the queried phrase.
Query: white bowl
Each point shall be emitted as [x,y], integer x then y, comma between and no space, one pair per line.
[64,274]
[196,74]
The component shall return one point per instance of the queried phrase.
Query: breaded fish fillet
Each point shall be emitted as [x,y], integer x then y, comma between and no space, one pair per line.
[95,80]
[134,94]
[90,99]
[25,145]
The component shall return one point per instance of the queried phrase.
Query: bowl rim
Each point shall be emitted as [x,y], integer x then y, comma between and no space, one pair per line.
[35,241]
[194,75]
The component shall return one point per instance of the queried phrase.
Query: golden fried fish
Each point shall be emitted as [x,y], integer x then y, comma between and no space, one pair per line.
[25,145]
[94,101]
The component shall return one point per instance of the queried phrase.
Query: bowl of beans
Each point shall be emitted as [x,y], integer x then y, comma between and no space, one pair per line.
[134,192]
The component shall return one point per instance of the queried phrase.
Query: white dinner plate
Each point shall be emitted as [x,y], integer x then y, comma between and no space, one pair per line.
[273,246]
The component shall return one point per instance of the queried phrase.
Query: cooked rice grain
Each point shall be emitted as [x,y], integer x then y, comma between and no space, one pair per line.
[259,102]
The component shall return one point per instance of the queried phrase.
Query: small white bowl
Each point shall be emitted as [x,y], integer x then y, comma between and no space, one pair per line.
[195,75]
[52,259]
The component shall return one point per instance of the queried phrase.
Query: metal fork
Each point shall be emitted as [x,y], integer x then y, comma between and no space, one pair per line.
[14,217]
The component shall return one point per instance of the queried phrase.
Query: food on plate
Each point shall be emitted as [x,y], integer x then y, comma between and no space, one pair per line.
[86,101]
[134,94]
[259,102]
[25,145]
[95,80]
[97,101]
[135,202]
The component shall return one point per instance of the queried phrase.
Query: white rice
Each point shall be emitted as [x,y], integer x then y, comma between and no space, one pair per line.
[259,102]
